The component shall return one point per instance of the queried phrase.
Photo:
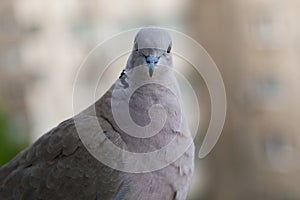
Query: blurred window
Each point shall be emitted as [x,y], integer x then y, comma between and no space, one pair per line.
[268,29]
[279,152]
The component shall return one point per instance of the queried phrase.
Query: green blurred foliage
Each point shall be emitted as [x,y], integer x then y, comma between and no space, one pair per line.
[9,147]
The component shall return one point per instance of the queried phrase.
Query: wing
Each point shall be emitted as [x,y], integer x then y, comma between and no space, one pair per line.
[58,166]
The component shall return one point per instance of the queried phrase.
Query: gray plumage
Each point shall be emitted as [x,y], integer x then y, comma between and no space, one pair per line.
[58,166]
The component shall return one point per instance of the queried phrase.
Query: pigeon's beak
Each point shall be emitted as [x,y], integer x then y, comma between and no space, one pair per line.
[151,61]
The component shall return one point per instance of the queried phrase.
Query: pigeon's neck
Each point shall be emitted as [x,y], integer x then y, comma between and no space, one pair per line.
[136,99]
[140,74]
[131,97]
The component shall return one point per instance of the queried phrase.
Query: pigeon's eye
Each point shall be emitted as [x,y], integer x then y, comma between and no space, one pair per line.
[169,49]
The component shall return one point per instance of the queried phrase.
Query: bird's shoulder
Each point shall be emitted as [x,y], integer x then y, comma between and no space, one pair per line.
[47,147]
[56,164]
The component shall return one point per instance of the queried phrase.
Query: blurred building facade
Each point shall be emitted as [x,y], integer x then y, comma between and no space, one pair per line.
[255,44]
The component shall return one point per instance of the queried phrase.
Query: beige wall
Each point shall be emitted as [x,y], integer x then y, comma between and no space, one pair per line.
[255,45]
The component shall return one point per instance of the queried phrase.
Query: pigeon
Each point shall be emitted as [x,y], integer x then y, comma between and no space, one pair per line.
[59,165]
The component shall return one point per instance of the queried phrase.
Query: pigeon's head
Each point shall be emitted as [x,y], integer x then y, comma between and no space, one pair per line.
[152,46]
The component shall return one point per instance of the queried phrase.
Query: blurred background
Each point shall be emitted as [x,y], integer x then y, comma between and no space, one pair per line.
[255,44]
